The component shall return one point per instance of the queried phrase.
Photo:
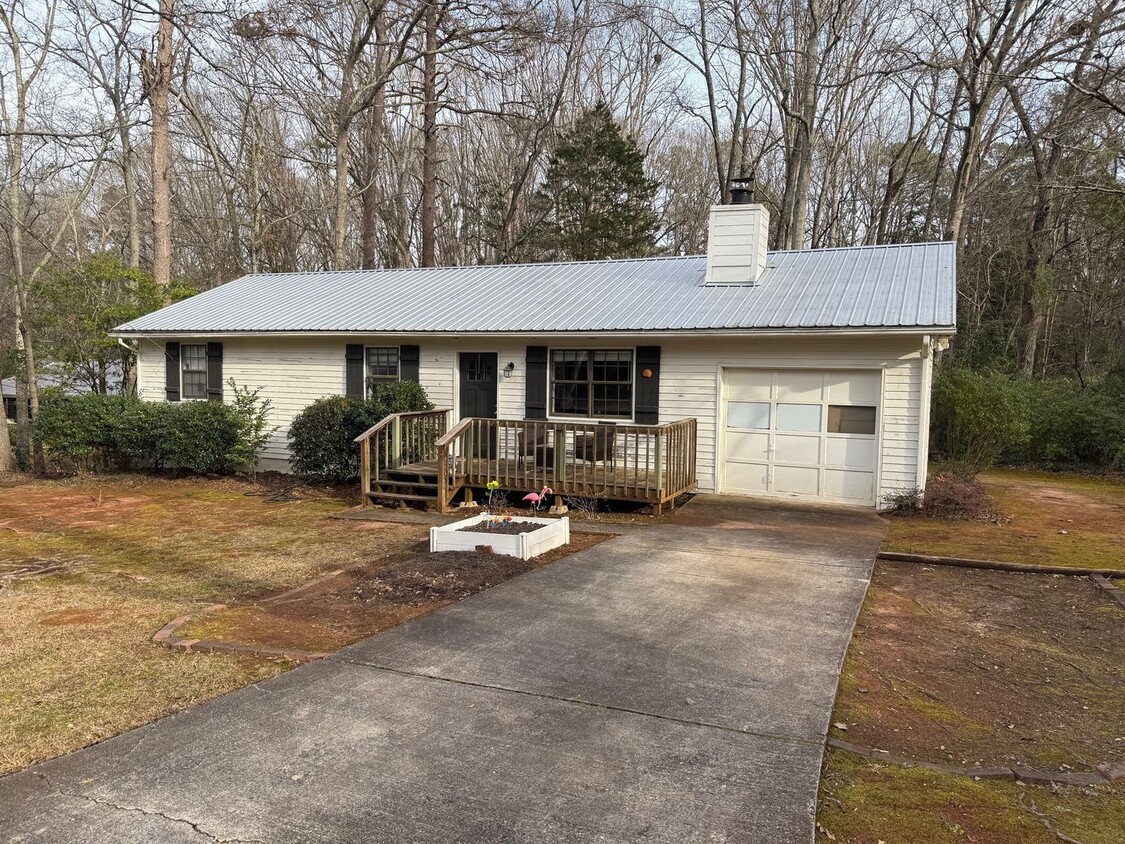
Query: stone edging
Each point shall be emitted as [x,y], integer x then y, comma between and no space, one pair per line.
[1110,587]
[899,557]
[1106,773]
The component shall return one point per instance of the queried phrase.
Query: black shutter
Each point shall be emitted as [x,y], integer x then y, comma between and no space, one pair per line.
[646,406]
[408,358]
[172,371]
[214,372]
[535,385]
[353,371]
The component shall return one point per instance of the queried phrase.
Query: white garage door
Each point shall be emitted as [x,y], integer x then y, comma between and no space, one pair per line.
[801,433]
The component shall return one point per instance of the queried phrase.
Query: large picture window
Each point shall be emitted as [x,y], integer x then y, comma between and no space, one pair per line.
[382,366]
[193,371]
[597,384]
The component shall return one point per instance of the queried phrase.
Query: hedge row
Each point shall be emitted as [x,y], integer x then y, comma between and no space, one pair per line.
[982,418]
[98,432]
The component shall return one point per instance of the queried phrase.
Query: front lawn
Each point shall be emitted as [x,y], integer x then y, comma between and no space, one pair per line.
[120,557]
[1045,518]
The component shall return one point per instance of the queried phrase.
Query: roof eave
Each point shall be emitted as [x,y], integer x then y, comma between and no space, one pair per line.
[868,330]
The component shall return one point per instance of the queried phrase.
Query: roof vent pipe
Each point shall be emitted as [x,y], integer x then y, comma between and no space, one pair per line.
[742,190]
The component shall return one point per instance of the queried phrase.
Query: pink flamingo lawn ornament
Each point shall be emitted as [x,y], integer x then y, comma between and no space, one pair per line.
[537,498]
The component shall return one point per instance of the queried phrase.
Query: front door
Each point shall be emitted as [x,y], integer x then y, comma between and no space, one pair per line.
[478,395]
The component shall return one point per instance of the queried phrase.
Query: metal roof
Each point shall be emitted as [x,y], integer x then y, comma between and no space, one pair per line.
[865,287]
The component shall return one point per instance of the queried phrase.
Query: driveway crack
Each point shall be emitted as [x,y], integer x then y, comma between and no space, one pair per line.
[55,790]
[817,742]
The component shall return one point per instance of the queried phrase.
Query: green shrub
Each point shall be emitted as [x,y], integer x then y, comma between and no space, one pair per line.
[978,416]
[1074,425]
[981,418]
[82,428]
[203,437]
[97,432]
[321,438]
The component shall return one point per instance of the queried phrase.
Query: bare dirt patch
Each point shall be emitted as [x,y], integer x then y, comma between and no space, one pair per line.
[367,599]
[978,668]
[973,667]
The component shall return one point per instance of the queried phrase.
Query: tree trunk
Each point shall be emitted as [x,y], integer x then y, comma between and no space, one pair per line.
[128,178]
[369,195]
[429,136]
[159,90]
[7,459]
[340,225]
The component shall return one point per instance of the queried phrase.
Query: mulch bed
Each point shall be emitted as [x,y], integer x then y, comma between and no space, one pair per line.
[512,528]
[367,599]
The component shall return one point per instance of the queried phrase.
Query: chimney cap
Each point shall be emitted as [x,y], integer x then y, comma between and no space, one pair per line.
[742,190]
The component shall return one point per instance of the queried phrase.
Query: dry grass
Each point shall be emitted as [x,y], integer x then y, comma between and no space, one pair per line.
[1050,519]
[76,660]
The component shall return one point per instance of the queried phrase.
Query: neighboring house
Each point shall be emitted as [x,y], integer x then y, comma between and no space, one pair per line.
[8,392]
[807,372]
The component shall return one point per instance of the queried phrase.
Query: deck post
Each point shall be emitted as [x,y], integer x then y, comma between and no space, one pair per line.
[559,468]
[659,454]
[365,470]
[396,441]
[442,478]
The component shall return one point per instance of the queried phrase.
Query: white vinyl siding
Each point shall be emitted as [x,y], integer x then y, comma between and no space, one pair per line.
[293,372]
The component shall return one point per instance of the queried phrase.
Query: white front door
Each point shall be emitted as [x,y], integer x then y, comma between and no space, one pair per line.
[810,434]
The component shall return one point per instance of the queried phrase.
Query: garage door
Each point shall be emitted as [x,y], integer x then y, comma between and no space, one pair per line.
[800,433]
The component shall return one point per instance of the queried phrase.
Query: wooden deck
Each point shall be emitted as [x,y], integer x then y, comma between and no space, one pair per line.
[412,457]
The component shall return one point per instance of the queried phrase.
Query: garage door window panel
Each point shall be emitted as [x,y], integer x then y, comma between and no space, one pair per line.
[845,419]
[798,418]
[752,415]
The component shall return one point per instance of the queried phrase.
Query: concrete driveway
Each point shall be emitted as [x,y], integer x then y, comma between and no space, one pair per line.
[671,685]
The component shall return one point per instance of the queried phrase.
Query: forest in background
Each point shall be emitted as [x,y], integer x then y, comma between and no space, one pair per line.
[155,147]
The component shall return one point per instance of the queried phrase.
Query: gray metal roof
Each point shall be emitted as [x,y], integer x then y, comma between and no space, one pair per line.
[901,286]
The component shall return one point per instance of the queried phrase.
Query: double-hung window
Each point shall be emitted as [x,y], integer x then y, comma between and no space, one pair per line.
[593,383]
[382,366]
[193,371]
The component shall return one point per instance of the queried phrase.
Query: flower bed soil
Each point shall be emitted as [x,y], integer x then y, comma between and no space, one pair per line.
[512,528]
[368,598]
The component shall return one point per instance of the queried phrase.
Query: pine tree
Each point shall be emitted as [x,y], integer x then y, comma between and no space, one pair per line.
[596,200]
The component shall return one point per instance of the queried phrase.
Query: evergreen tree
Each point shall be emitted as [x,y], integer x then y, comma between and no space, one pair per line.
[596,201]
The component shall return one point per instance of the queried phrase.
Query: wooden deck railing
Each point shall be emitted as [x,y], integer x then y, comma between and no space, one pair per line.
[399,439]
[650,463]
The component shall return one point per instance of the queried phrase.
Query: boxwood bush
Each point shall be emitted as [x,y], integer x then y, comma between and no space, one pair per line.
[97,432]
[321,437]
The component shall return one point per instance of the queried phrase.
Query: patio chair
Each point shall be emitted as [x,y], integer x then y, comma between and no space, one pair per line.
[598,447]
[536,444]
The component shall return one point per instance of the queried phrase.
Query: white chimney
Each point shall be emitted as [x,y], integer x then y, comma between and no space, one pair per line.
[736,238]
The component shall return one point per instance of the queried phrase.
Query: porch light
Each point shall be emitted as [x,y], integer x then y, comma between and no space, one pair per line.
[509,369]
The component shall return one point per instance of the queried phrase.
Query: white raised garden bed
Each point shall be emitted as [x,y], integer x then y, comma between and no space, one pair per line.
[450,537]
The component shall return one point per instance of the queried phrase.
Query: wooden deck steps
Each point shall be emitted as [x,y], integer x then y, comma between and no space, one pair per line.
[410,485]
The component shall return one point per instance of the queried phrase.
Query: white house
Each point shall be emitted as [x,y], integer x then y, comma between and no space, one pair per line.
[807,372]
